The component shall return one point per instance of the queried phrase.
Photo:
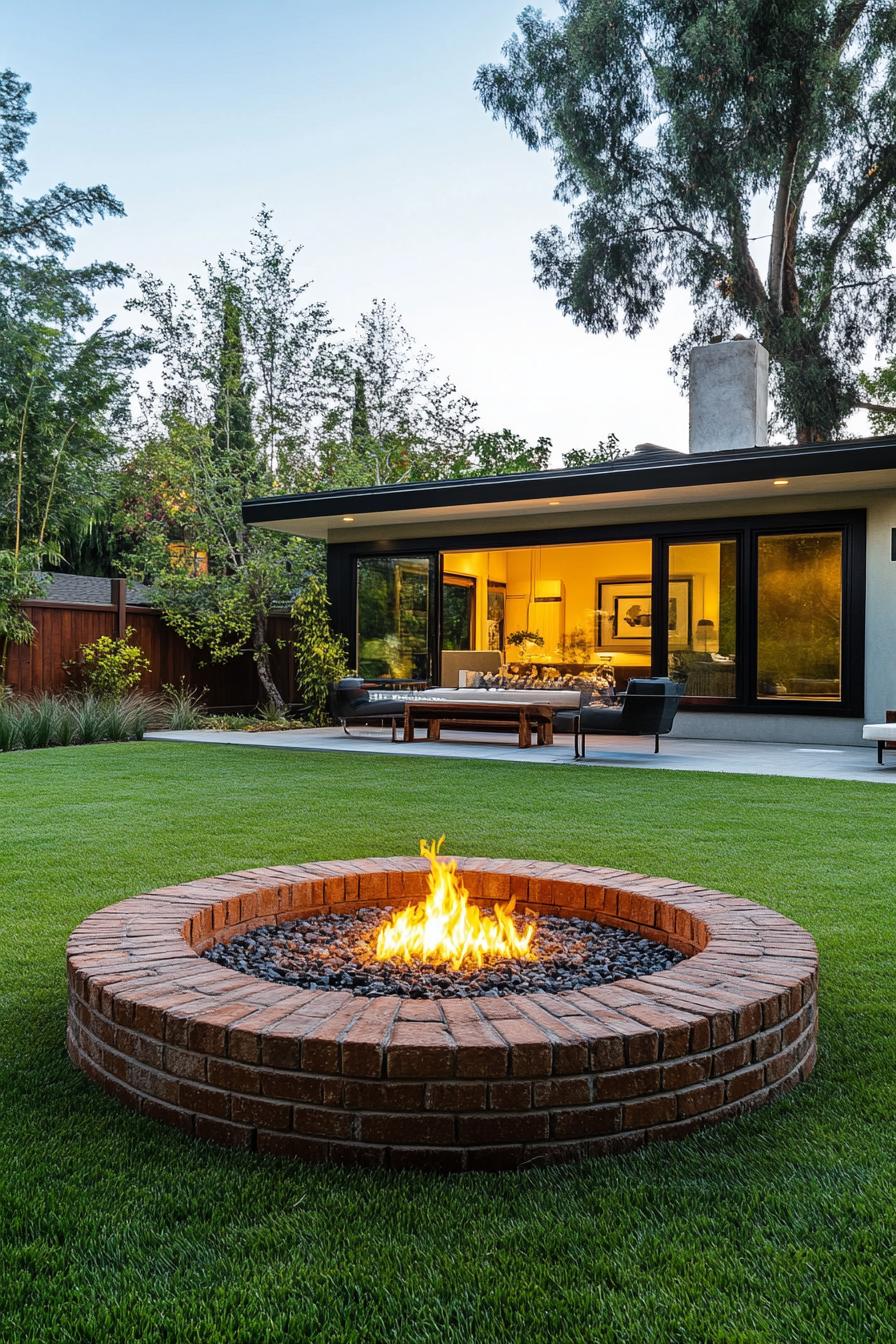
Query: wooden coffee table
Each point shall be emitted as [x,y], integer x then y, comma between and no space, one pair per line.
[528,720]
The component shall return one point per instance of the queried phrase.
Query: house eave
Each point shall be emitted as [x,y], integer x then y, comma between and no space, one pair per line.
[817,468]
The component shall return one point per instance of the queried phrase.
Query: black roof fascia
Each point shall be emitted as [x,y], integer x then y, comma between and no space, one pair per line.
[745,464]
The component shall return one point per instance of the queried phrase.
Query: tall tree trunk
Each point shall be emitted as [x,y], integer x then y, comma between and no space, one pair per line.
[263,661]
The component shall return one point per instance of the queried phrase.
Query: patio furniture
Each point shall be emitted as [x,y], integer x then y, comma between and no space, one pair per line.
[350,702]
[884,734]
[526,717]
[648,710]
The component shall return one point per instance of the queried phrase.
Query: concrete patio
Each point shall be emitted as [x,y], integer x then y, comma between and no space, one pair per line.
[733,758]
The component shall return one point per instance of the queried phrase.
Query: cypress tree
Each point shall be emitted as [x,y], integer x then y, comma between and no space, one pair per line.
[232,435]
[360,422]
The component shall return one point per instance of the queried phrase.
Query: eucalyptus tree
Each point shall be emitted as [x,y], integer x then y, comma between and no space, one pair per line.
[743,151]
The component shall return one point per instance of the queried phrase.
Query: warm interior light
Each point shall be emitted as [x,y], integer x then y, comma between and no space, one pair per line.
[348,518]
[446,928]
[781,481]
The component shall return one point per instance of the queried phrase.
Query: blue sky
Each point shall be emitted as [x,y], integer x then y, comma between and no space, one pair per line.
[356,122]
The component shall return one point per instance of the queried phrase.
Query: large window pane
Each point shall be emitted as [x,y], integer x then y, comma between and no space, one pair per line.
[703,617]
[393,616]
[458,611]
[799,616]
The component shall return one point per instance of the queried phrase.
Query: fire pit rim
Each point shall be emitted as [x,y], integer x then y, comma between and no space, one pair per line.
[137,982]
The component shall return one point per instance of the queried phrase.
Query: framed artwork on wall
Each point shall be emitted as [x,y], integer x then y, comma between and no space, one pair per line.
[625,613]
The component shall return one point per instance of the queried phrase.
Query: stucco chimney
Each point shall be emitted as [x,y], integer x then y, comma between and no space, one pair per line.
[728,396]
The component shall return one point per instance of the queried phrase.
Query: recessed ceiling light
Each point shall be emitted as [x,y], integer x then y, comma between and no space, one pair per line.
[553,501]
[781,481]
[348,518]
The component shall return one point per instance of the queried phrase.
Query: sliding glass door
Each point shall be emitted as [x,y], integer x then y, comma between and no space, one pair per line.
[701,633]
[394,610]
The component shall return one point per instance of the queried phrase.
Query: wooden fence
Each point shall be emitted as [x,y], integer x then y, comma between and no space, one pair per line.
[62,627]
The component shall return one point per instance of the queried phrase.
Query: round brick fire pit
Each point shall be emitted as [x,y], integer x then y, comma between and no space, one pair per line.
[452,1084]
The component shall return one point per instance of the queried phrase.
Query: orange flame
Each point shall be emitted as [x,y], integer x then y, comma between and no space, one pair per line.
[446,928]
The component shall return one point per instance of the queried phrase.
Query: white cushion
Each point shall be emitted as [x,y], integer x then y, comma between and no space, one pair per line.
[556,699]
[880,732]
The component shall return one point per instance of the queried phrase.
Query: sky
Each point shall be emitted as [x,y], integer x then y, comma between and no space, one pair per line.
[357,124]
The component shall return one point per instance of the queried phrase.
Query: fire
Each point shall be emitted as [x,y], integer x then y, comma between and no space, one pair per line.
[446,928]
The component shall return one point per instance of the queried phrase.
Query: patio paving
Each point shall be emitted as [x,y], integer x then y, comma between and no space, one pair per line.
[730,758]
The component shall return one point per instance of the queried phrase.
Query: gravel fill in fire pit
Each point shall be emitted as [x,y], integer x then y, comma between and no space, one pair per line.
[334,951]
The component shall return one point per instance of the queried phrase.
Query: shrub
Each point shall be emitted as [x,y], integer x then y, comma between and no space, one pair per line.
[111,667]
[321,657]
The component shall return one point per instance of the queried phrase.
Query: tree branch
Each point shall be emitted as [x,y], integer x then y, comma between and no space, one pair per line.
[875,407]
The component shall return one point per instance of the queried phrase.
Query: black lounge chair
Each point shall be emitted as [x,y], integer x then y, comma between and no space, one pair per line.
[648,710]
[350,702]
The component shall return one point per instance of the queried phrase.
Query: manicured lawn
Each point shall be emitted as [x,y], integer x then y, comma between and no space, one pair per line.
[776,1228]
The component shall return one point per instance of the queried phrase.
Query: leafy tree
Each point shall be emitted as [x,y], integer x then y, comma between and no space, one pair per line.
[880,389]
[670,124]
[293,376]
[419,424]
[321,657]
[64,389]
[496,453]
[606,450]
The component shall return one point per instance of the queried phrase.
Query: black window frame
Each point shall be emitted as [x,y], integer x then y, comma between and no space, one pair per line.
[745,529]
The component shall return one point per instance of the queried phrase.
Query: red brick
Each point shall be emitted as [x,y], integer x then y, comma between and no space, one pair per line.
[420,1050]
[261,1112]
[169,1115]
[185,1064]
[649,1111]
[363,1045]
[280,1144]
[224,1132]
[562,1092]
[379,1127]
[149,1082]
[391,1096]
[531,1055]
[321,1122]
[626,1083]
[507,1157]
[741,1084]
[510,1096]
[321,1049]
[206,1100]
[731,1057]
[705,1097]
[686,1072]
[456,1096]
[517,1127]
[234,1077]
[288,1086]
[585,1121]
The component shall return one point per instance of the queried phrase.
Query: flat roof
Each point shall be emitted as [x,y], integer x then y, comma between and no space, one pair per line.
[648,477]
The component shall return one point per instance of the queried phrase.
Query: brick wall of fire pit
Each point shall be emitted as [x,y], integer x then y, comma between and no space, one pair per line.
[451,1084]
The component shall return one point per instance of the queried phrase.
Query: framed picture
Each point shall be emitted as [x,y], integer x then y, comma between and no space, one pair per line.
[625,612]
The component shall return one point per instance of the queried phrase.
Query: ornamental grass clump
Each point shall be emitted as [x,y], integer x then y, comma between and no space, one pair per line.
[30,722]
[182,708]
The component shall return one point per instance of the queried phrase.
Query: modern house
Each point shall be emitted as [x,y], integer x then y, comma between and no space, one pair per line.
[774,569]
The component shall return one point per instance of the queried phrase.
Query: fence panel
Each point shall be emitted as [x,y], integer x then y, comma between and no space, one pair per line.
[61,628]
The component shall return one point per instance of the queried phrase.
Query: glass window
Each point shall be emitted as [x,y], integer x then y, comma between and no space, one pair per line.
[458,611]
[393,616]
[702,627]
[799,616]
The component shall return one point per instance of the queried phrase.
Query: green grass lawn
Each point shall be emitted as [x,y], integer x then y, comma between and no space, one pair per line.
[777,1227]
